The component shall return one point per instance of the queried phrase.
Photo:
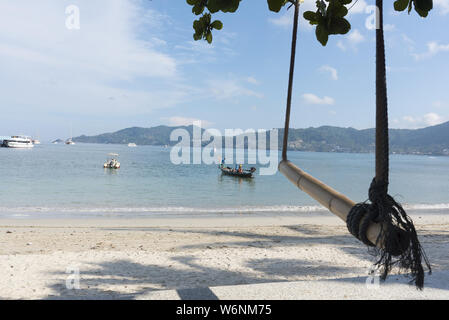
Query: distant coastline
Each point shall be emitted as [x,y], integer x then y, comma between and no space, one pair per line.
[432,140]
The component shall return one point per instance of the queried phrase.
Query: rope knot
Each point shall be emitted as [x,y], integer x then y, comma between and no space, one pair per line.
[378,191]
[397,237]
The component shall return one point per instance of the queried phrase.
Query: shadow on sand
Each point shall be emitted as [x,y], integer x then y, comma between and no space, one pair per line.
[131,280]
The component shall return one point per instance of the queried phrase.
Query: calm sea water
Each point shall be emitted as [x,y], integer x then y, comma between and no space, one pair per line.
[60,180]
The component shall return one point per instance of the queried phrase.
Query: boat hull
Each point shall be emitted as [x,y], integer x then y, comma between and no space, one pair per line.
[17,145]
[229,172]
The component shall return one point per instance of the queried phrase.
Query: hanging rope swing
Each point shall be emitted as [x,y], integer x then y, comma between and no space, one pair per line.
[381,223]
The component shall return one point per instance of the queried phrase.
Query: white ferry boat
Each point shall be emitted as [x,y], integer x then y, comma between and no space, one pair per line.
[18,142]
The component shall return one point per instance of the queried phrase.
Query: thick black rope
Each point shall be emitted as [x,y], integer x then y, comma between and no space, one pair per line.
[290,80]
[397,243]
[398,236]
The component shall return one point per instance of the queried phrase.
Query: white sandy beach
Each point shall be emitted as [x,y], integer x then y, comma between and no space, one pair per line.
[225,257]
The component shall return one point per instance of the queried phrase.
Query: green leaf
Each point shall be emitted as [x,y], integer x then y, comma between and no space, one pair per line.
[339,26]
[223,5]
[209,37]
[424,5]
[217,24]
[311,16]
[276,5]
[340,12]
[422,13]
[401,5]
[322,34]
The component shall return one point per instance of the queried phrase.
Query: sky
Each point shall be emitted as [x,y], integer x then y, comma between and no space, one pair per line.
[135,63]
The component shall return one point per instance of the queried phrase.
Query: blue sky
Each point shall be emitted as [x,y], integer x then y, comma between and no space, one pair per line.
[134,63]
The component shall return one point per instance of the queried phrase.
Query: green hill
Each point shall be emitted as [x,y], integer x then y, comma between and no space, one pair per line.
[157,136]
[431,140]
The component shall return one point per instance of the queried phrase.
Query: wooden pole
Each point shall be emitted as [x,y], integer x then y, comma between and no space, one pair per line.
[336,202]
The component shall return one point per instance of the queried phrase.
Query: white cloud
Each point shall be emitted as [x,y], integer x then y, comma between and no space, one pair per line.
[182,121]
[433,48]
[389,27]
[432,119]
[230,89]
[284,20]
[440,104]
[429,119]
[252,80]
[341,45]
[351,40]
[442,6]
[310,98]
[332,71]
[407,39]
[105,66]
[355,37]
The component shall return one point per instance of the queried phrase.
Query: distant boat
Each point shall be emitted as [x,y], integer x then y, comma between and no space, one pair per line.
[21,142]
[36,141]
[70,141]
[112,162]
[57,141]
[132,144]
[233,172]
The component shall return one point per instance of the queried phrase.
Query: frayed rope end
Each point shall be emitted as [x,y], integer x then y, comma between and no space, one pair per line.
[397,243]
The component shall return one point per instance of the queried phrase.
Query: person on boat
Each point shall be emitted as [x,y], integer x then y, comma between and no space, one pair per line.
[223,162]
[240,169]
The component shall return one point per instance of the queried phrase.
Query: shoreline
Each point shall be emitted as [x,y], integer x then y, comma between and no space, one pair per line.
[417,212]
[143,258]
[203,220]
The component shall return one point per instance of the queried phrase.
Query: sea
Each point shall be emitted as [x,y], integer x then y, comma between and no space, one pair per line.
[69,181]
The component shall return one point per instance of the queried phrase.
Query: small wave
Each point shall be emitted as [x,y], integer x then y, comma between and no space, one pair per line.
[438,206]
[180,210]
[24,211]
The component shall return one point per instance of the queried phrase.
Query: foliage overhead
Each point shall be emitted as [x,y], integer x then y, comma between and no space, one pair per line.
[329,18]
[422,7]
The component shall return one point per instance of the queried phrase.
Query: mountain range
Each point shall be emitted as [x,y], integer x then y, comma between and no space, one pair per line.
[432,140]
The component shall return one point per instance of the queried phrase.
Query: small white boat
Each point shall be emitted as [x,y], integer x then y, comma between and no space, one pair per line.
[132,144]
[112,162]
[70,141]
[36,141]
[20,142]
